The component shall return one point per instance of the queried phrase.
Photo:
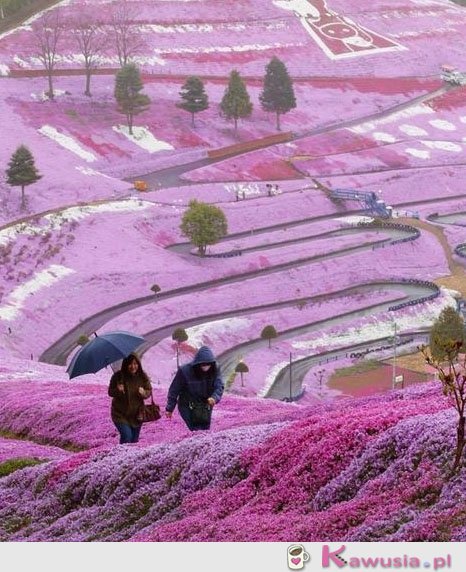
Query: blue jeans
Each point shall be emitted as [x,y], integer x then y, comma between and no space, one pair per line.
[128,434]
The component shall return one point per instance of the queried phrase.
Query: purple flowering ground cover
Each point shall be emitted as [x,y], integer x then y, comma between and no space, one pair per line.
[366,469]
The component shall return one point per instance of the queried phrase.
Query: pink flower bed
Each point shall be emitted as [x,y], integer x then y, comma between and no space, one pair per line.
[217,37]
[15,449]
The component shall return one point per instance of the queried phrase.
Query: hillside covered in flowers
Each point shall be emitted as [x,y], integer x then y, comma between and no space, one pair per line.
[365,469]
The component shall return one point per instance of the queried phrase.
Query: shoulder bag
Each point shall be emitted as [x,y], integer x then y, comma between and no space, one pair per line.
[149,412]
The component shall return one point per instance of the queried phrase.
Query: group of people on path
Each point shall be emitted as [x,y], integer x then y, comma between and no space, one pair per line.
[196,388]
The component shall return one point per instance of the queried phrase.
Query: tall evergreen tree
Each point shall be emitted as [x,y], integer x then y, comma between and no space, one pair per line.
[236,103]
[128,85]
[193,96]
[278,93]
[21,170]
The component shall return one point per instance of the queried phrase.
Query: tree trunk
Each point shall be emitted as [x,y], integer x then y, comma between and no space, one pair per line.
[192,119]
[130,123]
[50,93]
[88,83]
[2,15]
[177,355]
[460,442]
[241,374]
[270,342]
[202,249]
[22,196]
[236,124]
[278,121]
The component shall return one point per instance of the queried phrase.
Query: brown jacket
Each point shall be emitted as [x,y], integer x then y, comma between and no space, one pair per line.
[125,406]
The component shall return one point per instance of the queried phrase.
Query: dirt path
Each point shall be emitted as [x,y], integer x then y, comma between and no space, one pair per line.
[456,280]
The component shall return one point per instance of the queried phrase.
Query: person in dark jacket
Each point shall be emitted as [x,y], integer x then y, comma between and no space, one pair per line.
[128,388]
[196,387]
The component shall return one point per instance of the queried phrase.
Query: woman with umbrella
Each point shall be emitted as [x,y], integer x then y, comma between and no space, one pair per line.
[128,388]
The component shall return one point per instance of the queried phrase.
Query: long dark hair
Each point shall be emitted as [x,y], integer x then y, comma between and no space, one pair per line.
[125,368]
[209,375]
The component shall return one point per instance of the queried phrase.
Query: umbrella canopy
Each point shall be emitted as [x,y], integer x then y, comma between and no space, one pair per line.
[103,350]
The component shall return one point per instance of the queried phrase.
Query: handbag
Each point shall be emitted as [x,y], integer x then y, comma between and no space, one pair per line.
[200,413]
[149,412]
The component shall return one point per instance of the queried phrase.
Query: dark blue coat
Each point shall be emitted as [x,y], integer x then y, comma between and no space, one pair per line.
[186,387]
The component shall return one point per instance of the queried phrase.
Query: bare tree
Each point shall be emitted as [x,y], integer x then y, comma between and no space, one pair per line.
[452,375]
[47,32]
[91,43]
[125,32]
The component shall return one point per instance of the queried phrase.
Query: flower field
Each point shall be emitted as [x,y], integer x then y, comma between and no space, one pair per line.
[88,253]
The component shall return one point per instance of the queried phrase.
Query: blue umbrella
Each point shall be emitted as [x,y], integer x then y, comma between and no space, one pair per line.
[103,350]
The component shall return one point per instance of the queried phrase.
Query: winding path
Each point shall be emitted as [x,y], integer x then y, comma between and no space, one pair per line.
[59,351]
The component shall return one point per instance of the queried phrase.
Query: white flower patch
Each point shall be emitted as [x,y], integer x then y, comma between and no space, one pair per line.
[78,213]
[4,69]
[56,220]
[411,320]
[66,142]
[419,153]
[270,377]
[408,113]
[144,138]
[44,97]
[196,334]
[443,145]
[355,219]
[385,137]
[175,28]
[412,130]
[227,49]
[91,172]
[15,300]
[443,125]
[243,189]
[463,119]
[20,62]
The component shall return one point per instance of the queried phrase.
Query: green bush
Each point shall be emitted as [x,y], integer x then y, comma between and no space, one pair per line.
[12,465]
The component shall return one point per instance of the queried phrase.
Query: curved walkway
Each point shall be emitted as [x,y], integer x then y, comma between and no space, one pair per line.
[286,388]
[412,292]
[58,352]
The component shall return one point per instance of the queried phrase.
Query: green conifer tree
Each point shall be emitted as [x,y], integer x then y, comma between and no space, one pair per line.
[278,93]
[21,170]
[193,96]
[128,85]
[236,103]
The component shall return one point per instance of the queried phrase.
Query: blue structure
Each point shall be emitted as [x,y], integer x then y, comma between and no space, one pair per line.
[369,200]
